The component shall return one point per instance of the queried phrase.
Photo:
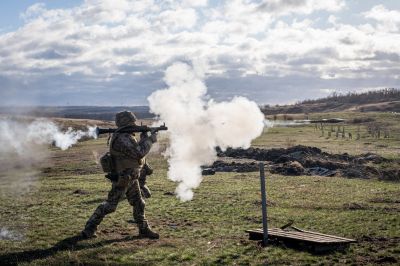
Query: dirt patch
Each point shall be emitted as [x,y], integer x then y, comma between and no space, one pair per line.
[354,206]
[80,192]
[305,160]
[288,168]
[384,200]
[380,239]
[390,175]
[223,166]
[375,244]
[299,153]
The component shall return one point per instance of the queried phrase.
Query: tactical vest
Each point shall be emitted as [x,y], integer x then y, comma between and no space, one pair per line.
[121,160]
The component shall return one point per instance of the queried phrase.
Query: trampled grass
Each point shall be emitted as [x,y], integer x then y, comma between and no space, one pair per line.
[210,229]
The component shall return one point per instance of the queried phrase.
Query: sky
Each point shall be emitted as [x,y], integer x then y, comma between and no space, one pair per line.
[115,52]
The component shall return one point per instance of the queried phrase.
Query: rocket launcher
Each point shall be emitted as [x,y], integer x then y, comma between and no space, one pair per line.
[130,129]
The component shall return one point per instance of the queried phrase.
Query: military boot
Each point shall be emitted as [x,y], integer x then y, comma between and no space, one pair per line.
[89,232]
[86,234]
[146,232]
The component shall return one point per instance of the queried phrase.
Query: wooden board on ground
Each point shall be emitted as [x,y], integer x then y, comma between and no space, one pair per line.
[314,240]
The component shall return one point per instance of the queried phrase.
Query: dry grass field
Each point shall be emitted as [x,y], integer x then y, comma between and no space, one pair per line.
[210,229]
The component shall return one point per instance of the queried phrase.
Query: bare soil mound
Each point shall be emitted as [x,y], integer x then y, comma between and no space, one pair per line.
[306,160]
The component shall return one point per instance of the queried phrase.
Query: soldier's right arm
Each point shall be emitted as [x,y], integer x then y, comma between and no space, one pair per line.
[125,144]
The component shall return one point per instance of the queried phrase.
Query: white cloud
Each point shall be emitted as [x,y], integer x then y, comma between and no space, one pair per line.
[194,3]
[33,11]
[105,42]
[178,19]
[388,20]
[281,7]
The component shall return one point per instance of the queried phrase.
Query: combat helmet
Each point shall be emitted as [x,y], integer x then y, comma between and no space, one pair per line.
[125,118]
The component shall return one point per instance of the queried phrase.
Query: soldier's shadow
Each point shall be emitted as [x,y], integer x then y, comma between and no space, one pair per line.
[70,243]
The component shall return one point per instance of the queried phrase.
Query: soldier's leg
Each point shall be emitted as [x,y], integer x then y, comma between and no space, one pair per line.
[144,172]
[132,193]
[116,193]
[136,200]
[146,193]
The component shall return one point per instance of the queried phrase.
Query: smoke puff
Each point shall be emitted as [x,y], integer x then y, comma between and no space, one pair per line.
[16,136]
[22,150]
[197,126]
[240,116]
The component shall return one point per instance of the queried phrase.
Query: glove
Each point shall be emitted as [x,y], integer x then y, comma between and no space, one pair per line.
[143,135]
[153,137]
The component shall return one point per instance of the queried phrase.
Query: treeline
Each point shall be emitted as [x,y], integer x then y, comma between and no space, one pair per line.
[377,96]
[106,113]
[384,100]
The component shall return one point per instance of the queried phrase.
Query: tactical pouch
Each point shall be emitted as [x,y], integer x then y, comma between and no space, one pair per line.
[147,169]
[107,163]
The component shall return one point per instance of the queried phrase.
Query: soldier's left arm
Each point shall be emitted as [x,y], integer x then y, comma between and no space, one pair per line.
[127,145]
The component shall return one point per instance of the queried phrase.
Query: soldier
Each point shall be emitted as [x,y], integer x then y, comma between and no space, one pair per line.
[129,158]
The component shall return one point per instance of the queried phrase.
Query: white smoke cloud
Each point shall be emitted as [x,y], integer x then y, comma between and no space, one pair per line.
[23,151]
[197,126]
[18,137]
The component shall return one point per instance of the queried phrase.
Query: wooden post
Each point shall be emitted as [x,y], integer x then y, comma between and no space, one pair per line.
[264,205]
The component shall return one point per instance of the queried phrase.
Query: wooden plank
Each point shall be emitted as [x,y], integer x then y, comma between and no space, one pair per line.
[276,231]
[328,236]
[299,235]
[307,236]
[338,237]
[303,236]
[291,236]
[309,232]
[312,235]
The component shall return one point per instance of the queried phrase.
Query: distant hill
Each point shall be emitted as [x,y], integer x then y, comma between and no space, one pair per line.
[106,113]
[385,100]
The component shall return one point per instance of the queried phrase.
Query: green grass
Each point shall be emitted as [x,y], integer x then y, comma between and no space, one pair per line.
[308,135]
[210,229]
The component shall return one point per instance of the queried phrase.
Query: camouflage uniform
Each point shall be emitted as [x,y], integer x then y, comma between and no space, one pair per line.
[146,170]
[129,158]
